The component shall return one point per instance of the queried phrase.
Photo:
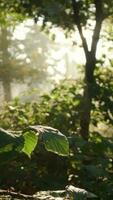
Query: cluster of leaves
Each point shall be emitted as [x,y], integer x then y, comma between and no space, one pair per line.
[59,109]
[26,142]
[34,138]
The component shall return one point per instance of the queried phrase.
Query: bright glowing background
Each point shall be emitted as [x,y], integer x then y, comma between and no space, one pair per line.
[67,52]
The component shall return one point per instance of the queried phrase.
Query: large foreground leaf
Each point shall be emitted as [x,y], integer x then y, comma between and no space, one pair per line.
[17,143]
[30,142]
[53,140]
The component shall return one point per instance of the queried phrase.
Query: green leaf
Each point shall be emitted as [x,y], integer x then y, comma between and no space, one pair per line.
[6,148]
[30,142]
[8,144]
[7,141]
[56,142]
[53,140]
[6,138]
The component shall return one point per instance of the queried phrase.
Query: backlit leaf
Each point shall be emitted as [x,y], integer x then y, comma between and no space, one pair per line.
[30,142]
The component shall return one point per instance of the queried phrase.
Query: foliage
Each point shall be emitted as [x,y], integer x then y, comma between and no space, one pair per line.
[61,108]
[34,140]
[60,13]
[52,139]
[58,109]
[103,98]
[89,165]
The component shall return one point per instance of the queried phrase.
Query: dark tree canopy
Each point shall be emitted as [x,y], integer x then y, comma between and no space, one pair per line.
[59,12]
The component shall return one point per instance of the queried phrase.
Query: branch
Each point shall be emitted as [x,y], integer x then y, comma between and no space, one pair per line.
[17,195]
[99,17]
[78,24]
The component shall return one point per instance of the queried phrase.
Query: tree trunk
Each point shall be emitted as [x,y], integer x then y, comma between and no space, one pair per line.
[90,61]
[7,90]
[87,97]
[85,113]
[5,74]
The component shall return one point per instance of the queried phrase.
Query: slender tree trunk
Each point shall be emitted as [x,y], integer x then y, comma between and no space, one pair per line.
[7,90]
[87,97]
[5,74]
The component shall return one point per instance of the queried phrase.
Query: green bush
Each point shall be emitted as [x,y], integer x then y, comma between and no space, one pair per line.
[59,109]
[62,107]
